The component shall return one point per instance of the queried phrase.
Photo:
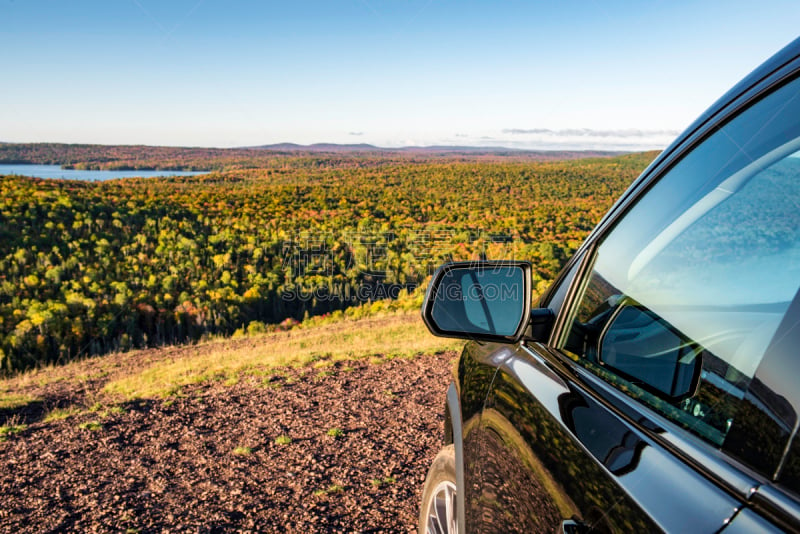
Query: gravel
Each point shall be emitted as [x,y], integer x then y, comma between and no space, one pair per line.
[209,460]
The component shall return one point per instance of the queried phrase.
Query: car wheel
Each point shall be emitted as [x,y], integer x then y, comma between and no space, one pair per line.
[437,513]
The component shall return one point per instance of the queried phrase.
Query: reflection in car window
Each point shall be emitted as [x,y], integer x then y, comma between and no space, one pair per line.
[688,289]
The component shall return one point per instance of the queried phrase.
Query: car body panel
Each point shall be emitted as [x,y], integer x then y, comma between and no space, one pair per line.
[476,369]
[551,453]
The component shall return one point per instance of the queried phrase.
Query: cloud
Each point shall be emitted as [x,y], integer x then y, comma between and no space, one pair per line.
[356,133]
[588,132]
[609,139]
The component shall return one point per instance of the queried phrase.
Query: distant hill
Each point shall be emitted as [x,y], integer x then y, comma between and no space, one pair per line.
[203,158]
[435,150]
[319,147]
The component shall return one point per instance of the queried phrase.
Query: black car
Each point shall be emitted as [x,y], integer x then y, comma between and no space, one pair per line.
[656,385]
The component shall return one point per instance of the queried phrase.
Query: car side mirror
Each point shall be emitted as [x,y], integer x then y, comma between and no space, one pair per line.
[480,300]
[643,348]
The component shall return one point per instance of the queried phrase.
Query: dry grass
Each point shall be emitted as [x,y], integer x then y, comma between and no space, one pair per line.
[376,337]
[12,399]
[162,372]
[59,414]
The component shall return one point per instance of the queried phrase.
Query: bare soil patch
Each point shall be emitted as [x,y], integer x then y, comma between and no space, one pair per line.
[208,460]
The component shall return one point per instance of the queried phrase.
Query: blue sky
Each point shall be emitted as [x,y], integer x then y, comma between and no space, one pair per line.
[525,74]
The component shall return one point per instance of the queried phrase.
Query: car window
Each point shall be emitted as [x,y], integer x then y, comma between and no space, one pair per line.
[687,290]
[555,295]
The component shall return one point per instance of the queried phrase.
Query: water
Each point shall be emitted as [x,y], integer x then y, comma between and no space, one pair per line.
[54,172]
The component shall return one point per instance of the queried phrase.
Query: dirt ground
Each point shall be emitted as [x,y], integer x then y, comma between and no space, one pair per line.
[217,459]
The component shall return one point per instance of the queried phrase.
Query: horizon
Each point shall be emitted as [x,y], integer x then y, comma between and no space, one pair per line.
[321,146]
[612,77]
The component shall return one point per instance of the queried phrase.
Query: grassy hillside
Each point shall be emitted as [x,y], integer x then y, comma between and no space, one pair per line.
[65,390]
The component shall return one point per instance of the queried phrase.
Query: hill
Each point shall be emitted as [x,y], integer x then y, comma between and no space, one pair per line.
[320,147]
[141,157]
[439,150]
[242,418]
[227,436]
[88,268]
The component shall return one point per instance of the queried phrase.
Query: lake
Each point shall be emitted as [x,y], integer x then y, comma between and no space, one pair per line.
[55,171]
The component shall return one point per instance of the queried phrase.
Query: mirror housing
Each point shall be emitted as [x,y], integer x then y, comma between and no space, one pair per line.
[479,300]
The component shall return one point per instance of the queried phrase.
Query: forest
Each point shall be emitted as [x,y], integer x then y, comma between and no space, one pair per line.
[92,267]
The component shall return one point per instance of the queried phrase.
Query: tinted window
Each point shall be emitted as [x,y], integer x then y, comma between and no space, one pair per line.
[688,289]
[790,475]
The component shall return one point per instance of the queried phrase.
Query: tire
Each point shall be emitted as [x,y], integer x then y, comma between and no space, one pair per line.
[437,514]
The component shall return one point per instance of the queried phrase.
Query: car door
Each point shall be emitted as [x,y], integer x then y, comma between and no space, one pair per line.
[642,410]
